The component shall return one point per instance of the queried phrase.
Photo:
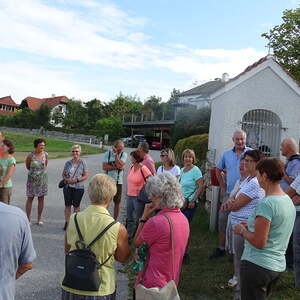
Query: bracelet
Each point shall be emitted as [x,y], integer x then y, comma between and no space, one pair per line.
[143,220]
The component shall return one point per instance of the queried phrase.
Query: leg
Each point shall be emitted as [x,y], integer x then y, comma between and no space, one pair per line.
[40,208]
[77,195]
[3,197]
[67,213]
[139,209]
[129,217]
[28,207]
[117,201]
[296,244]
[238,244]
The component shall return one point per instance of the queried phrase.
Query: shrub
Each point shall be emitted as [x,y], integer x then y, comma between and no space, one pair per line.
[198,143]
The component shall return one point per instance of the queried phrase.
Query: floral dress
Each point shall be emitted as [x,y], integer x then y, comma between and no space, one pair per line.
[37,181]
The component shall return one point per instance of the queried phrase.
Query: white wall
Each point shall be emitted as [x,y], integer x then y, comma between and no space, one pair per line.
[264,90]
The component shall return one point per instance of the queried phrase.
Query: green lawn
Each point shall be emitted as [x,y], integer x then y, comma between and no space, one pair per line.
[55,147]
[207,279]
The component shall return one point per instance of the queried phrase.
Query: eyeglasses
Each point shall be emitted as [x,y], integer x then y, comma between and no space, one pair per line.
[74,151]
[162,155]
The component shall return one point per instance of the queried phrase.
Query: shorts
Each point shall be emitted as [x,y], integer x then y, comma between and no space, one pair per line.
[118,196]
[72,196]
[70,296]
[223,216]
[5,194]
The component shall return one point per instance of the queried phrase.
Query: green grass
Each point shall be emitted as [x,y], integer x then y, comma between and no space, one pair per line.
[207,279]
[56,148]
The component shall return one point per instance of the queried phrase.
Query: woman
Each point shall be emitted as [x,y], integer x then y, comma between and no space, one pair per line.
[37,180]
[165,193]
[7,169]
[242,206]
[191,183]
[136,179]
[266,233]
[168,163]
[92,221]
[74,174]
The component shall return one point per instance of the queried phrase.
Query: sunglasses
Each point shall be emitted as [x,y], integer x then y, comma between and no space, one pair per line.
[162,155]
[75,151]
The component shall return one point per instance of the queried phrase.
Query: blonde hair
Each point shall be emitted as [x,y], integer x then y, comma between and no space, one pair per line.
[102,189]
[171,155]
[190,152]
[76,147]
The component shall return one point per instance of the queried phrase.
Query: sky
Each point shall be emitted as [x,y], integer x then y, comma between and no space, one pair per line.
[86,49]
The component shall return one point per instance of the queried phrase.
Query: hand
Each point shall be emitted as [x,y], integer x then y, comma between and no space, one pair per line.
[245,224]
[191,204]
[149,209]
[239,229]
[223,190]
[114,149]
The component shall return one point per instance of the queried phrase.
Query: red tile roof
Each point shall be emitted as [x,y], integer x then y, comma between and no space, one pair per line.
[8,101]
[35,103]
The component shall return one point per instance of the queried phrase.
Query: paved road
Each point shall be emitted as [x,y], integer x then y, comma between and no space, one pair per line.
[43,282]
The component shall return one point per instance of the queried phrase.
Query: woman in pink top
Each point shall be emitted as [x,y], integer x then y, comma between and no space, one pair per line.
[165,193]
[136,179]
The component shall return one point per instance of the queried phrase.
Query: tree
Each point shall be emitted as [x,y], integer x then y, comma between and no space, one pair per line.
[76,116]
[95,111]
[42,116]
[174,96]
[111,126]
[284,39]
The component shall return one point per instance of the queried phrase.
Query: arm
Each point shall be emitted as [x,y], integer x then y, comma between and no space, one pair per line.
[122,252]
[119,162]
[220,178]
[200,189]
[241,201]
[28,162]
[67,246]
[259,237]
[107,167]
[9,173]
[23,269]
[85,175]
[296,200]
[291,192]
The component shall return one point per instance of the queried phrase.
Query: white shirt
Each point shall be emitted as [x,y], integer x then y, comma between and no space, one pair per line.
[174,171]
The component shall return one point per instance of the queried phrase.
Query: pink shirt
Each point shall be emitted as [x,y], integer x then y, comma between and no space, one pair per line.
[135,180]
[156,233]
[149,163]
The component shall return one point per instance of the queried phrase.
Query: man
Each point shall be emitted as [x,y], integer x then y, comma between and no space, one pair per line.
[230,161]
[113,164]
[147,159]
[289,149]
[16,248]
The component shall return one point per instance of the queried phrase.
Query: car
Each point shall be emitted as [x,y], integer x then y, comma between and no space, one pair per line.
[126,140]
[136,139]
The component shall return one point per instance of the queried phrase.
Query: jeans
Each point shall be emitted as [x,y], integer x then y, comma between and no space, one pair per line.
[189,213]
[135,210]
[296,244]
[256,282]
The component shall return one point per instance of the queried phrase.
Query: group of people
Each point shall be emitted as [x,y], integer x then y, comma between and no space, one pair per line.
[258,207]
[257,214]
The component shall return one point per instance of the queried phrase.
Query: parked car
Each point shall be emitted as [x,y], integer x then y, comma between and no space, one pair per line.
[154,142]
[136,139]
[126,140]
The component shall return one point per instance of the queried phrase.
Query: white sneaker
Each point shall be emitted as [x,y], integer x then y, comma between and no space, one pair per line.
[232,282]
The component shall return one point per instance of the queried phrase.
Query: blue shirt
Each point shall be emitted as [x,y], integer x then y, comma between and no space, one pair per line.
[110,157]
[70,169]
[16,247]
[280,211]
[188,182]
[231,163]
[292,170]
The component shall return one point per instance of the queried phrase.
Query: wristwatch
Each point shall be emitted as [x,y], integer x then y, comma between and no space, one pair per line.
[143,220]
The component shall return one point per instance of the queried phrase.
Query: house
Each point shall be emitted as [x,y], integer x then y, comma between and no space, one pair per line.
[200,96]
[56,103]
[264,101]
[8,105]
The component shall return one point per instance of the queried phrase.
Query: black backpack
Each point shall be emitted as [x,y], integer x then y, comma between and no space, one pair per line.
[81,265]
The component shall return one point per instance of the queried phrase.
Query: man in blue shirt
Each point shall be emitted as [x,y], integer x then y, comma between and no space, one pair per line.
[16,248]
[230,162]
[113,164]
[289,149]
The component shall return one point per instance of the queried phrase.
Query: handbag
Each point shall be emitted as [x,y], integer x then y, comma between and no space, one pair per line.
[62,183]
[81,264]
[169,291]
[142,196]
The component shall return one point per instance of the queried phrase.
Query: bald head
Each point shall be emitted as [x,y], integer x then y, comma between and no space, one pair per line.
[289,147]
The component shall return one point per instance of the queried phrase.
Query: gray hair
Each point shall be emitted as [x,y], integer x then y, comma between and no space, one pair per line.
[144,146]
[238,132]
[102,188]
[118,142]
[76,147]
[167,188]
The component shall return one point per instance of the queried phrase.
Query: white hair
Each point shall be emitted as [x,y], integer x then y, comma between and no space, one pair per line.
[167,188]
[239,131]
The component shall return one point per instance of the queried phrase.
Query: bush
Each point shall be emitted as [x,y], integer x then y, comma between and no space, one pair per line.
[198,143]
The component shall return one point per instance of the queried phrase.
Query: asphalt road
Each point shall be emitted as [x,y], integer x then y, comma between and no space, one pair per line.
[43,282]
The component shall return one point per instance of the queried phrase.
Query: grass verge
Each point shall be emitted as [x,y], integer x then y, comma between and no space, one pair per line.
[56,148]
[206,279]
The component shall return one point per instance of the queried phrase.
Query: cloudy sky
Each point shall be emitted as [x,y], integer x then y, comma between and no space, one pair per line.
[94,49]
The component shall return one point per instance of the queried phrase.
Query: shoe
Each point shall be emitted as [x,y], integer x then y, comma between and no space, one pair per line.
[40,223]
[65,227]
[232,282]
[217,253]
[186,259]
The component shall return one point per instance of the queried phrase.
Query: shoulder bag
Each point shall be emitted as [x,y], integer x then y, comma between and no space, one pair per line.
[82,266]
[142,196]
[62,183]
[169,291]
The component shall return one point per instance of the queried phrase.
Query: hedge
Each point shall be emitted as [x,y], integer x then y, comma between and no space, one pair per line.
[198,143]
